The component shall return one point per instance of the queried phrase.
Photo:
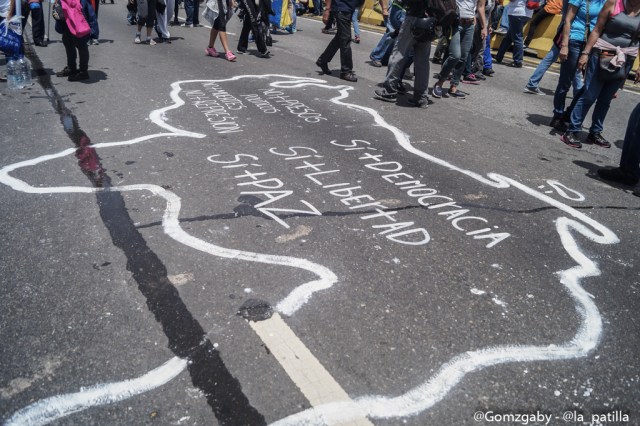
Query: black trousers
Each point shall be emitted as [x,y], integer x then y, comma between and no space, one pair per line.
[538,17]
[37,21]
[341,41]
[76,47]
[252,23]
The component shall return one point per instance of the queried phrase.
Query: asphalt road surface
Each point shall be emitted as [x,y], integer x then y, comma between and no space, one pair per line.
[188,241]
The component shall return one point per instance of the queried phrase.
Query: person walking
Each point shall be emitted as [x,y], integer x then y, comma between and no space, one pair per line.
[550,8]
[408,46]
[579,21]
[393,20]
[218,13]
[343,12]
[519,14]
[255,21]
[616,35]
[459,46]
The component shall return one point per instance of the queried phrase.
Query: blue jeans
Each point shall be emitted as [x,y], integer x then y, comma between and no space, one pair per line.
[514,35]
[598,91]
[568,70]
[354,20]
[385,45]
[488,60]
[191,9]
[545,64]
[630,161]
[459,47]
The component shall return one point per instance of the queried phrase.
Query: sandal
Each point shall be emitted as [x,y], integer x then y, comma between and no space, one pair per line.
[456,94]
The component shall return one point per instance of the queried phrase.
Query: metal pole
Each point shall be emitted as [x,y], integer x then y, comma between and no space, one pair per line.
[49,21]
[19,13]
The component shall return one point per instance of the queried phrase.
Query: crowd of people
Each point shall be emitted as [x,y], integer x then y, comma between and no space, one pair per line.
[596,43]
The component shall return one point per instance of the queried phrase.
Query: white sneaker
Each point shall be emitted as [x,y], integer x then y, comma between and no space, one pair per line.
[533,91]
[137,39]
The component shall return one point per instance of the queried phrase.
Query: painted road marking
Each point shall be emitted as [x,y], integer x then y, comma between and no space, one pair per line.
[315,382]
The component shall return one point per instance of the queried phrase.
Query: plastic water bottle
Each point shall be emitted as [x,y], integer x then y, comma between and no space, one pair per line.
[14,75]
[25,71]
[18,73]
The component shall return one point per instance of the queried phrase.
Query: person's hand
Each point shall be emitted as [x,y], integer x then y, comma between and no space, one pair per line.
[582,62]
[325,16]
[385,13]
[564,53]
[637,80]
[484,33]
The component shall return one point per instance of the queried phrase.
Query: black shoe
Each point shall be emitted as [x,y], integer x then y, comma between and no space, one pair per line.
[41,43]
[383,95]
[418,104]
[66,72]
[80,75]
[557,122]
[436,60]
[402,89]
[324,67]
[571,139]
[596,138]
[515,65]
[488,72]
[349,76]
[241,51]
[479,76]
[617,175]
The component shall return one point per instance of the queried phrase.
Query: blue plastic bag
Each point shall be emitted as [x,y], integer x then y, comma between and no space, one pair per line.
[10,41]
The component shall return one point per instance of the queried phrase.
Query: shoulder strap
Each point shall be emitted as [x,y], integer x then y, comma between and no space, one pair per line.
[587,24]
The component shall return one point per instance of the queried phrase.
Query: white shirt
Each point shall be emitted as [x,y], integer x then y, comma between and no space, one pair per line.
[467,8]
[519,8]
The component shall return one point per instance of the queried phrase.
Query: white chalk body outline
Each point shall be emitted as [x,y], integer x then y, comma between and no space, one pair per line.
[415,400]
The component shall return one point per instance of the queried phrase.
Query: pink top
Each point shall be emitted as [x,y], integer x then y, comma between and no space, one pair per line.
[619,7]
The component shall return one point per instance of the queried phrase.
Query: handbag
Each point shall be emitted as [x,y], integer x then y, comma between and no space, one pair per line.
[424,29]
[606,71]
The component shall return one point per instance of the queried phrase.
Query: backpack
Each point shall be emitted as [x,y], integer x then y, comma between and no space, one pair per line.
[445,12]
[74,18]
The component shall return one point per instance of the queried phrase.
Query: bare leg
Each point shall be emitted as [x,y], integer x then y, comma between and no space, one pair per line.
[212,38]
[225,41]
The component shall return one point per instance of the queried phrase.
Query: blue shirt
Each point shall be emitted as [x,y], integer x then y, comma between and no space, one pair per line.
[578,25]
